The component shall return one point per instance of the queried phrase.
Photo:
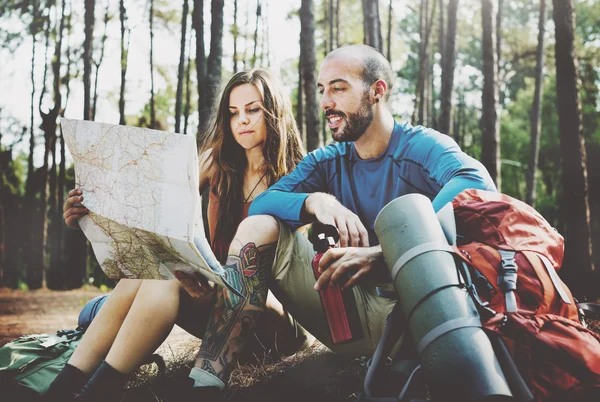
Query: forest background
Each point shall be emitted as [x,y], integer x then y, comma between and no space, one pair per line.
[514,82]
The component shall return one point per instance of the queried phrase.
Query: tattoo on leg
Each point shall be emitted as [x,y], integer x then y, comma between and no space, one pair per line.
[233,318]
[206,366]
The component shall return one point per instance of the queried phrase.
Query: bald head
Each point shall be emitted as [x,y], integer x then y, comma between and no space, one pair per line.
[373,66]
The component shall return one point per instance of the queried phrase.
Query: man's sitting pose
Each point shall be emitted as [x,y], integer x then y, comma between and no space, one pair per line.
[375,160]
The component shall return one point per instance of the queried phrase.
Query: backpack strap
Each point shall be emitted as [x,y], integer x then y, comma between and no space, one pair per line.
[554,278]
[507,281]
[515,380]
[416,251]
[446,327]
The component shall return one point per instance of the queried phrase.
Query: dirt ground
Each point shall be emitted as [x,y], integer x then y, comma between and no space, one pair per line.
[40,311]
[315,374]
[46,311]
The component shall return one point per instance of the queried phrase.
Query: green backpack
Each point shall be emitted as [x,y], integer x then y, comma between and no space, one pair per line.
[29,364]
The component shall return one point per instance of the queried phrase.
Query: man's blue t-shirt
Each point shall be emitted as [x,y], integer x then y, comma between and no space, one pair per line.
[416,160]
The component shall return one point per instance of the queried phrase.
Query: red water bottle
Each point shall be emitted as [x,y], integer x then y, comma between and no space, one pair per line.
[340,306]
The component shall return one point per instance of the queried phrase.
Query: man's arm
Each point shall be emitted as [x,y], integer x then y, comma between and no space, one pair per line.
[444,164]
[285,199]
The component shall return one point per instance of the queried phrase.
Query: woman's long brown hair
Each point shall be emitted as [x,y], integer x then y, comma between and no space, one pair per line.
[282,149]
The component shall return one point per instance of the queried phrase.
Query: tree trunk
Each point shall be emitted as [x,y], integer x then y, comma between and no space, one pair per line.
[417,113]
[300,100]
[309,60]
[536,110]
[4,162]
[235,32]
[198,23]
[72,242]
[579,266]
[448,65]
[426,23]
[499,49]
[267,35]
[213,65]
[87,57]
[490,144]
[441,34]
[246,25]
[49,124]
[124,54]
[330,24]
[431,114]
[258,13]
[264,43]
[53,277]
[103,42]
[188,91]
[152,105]
[30,168]
[37,240]
[372,24]
[180,71]
[389,32]
[338,42]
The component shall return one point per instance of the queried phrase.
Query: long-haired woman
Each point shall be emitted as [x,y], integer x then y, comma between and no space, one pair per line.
[252,142]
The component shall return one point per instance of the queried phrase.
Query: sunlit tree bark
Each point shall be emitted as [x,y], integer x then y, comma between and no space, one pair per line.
[536,109]
[490,147]
[372,24]
[198,24]
[575,210]
[181,69]
[448,64]
[308,61]
[87,57]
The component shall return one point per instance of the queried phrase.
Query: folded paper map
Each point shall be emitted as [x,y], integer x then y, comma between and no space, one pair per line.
[141,188]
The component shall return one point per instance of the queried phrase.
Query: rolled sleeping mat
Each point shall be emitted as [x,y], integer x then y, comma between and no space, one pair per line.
[455,353]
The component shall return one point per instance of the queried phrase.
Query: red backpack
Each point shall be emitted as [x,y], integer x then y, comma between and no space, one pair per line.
[512,254]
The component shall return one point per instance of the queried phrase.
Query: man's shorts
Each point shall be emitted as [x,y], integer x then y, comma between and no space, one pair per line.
[293,285]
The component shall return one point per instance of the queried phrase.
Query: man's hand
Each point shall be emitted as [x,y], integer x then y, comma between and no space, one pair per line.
[328,210]
[73,210]
[355,261]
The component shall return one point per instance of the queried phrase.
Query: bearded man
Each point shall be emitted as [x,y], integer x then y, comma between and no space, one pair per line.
[345,184]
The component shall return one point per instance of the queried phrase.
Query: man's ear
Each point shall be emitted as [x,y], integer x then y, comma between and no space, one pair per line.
[380,88]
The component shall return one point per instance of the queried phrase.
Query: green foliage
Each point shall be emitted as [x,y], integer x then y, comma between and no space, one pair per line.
[587,20]
[515,142]
[164,104]
[351,22]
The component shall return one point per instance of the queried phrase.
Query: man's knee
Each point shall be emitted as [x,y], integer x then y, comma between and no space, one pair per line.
[258,229]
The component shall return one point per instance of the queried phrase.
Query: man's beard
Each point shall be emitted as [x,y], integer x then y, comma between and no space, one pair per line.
[356,123]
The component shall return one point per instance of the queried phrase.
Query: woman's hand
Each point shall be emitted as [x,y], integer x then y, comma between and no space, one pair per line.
[73,210]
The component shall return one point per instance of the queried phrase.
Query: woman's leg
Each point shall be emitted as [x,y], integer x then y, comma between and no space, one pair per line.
[101,333]
[148,323]
[234,318]
[96,342]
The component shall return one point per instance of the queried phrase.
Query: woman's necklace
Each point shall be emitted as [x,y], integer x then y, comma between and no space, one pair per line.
[252,192]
